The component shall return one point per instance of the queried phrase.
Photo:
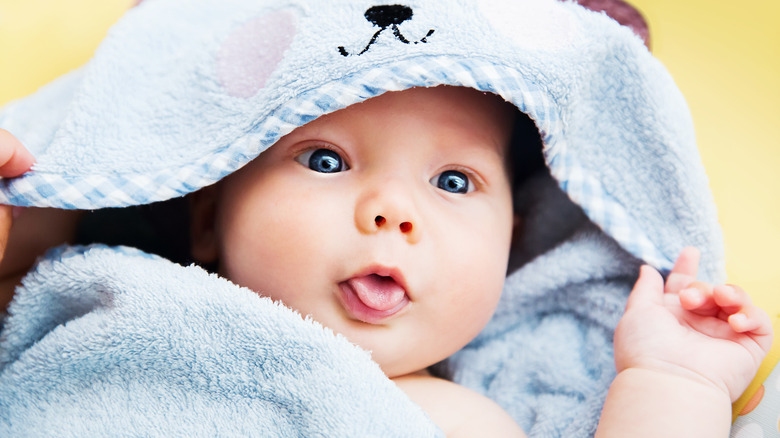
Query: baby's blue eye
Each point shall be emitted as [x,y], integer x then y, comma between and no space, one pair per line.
[322,160]
[452,181]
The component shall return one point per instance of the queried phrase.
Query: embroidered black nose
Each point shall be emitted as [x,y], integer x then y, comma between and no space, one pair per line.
[388,15]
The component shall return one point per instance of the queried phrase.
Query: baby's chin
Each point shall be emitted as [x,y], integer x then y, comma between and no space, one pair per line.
[395,371]
[413,364]
[397,361]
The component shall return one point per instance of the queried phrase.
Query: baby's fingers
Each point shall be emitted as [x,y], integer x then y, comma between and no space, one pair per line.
[15,159]
[750,319]
[754,322]
[684,271]
[730,299]
[743,316]
[698,298]
[648,289]
[722,300]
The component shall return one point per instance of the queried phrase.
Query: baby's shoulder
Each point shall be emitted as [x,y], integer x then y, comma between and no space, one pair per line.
[457,410]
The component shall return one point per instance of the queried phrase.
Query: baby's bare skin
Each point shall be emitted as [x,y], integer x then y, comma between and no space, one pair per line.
[684,351]
[457,410]
[669,345]
[35,229]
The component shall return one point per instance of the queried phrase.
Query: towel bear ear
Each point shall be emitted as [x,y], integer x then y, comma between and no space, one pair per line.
[623,13]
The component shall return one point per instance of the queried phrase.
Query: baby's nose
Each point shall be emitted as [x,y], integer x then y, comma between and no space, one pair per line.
[405,227]
[388,209]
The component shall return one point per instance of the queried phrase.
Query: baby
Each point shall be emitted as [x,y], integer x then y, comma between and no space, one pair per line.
[391,224]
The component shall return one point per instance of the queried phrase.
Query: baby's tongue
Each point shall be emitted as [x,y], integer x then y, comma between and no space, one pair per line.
[378,292]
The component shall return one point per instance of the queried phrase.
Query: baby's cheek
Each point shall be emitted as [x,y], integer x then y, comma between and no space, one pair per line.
[475,291]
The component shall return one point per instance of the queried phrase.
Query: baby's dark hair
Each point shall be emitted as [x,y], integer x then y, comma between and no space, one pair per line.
[525,150]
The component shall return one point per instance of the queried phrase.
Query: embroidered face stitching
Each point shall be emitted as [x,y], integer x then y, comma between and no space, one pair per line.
[388,16]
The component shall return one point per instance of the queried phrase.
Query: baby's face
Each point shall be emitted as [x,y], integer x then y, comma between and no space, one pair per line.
[389,222]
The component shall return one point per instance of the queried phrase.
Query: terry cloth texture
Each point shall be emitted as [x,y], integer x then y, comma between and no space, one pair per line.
[182,93]
[111,341]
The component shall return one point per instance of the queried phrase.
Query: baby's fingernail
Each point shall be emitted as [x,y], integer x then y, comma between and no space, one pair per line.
[738,318]
[692,294]
[729,291]
[16,211]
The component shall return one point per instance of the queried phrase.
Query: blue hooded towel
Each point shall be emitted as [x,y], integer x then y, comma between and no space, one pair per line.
[100,341]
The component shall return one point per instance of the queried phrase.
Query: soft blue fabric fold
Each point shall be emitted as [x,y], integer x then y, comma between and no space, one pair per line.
[546,356]
[184,92]
[114,342]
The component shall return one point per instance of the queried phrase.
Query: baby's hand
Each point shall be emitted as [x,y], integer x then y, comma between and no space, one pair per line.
[713,334]
[15,159]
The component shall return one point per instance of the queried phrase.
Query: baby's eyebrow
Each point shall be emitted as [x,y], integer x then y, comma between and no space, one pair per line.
[486,163]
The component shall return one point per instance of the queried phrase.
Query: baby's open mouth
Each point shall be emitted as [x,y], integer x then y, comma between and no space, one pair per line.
[372,298]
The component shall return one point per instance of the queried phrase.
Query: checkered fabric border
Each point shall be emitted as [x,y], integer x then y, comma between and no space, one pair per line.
[97,191]
[587,192]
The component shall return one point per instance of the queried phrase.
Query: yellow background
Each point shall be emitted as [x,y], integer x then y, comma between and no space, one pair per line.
[725,56]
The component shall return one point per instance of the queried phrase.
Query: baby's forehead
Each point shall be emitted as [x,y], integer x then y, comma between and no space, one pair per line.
[450,95]
[459,106]
[466,125]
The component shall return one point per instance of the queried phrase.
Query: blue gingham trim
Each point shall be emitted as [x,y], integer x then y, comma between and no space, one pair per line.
[98,191]
[587,192]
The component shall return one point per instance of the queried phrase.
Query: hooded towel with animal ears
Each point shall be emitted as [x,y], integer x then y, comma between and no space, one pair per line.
[182,93]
